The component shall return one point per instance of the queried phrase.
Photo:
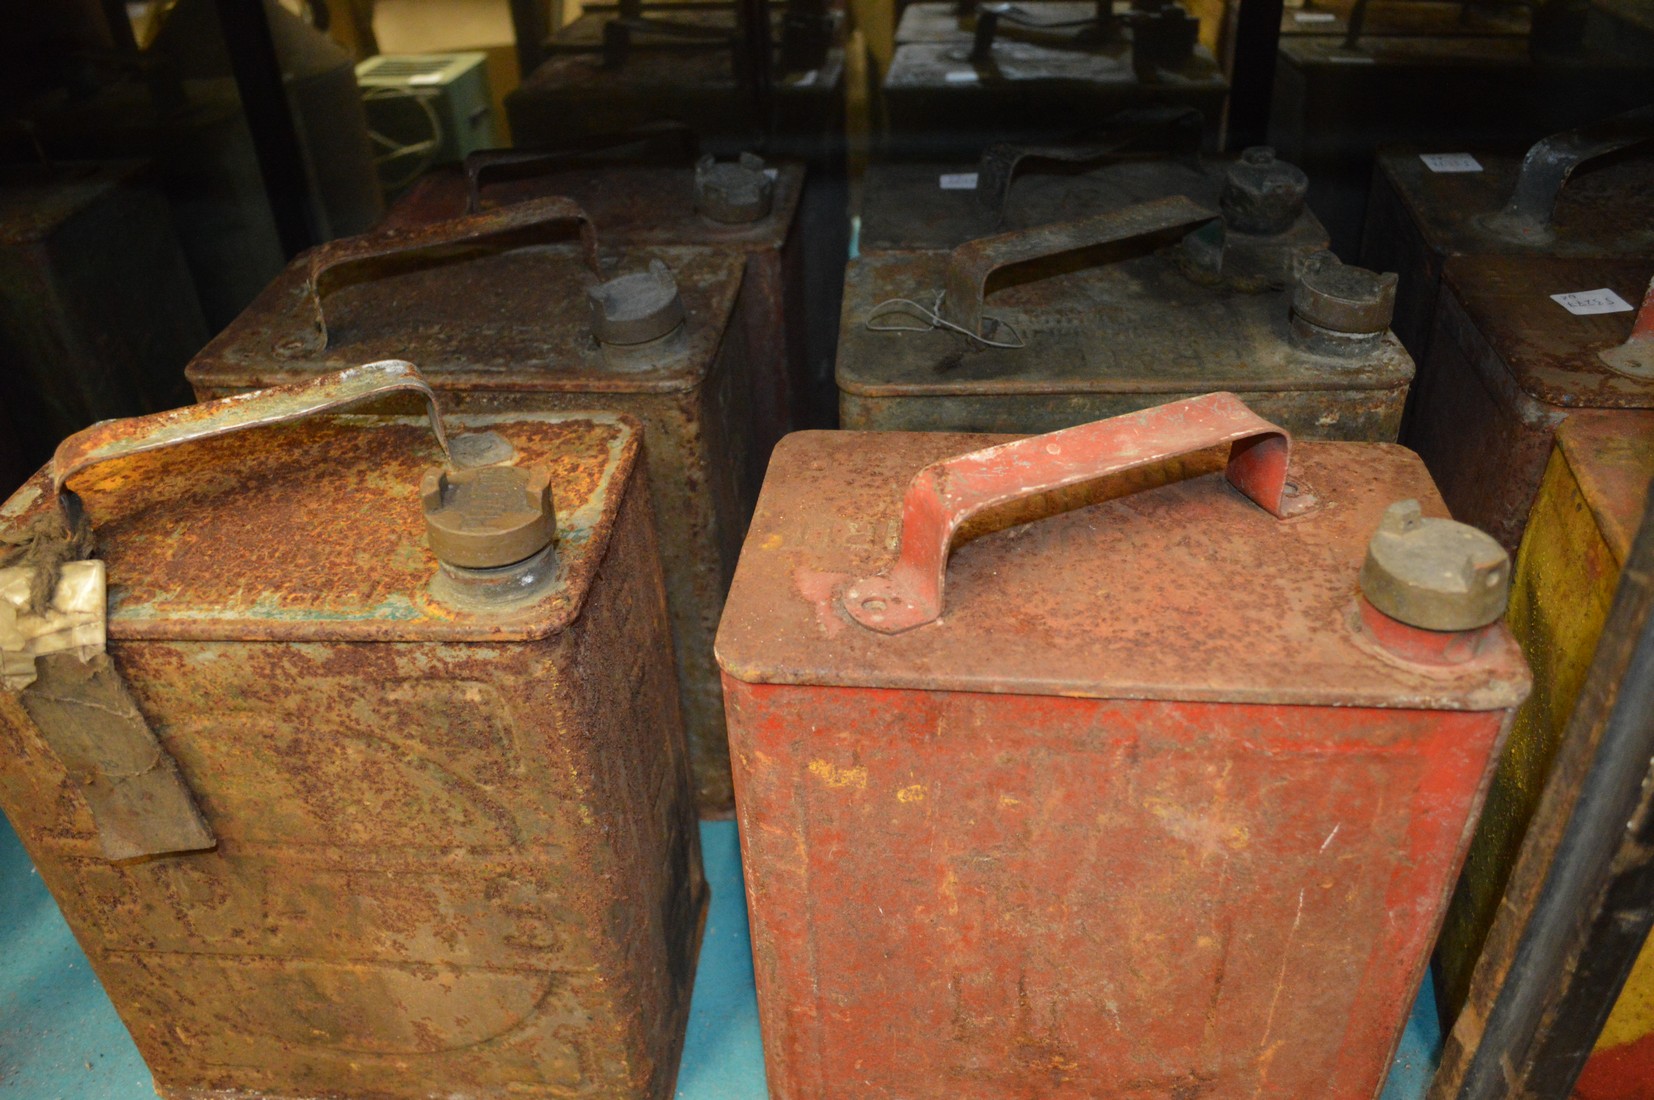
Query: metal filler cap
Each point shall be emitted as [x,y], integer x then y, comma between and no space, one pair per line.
[1261,194]
[1336,296]
[733,192]
[1435,574]
[636,308]
[489,516]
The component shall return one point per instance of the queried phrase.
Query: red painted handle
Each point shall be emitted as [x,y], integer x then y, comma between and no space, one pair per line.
[1635,357]
[945,494]
[464,229]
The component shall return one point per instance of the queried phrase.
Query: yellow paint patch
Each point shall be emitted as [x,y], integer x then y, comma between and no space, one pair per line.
[1007,801]
[915,793]
[835,776]
[771,543]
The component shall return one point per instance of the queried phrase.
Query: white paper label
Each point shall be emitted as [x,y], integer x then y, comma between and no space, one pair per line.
[804,80]
[1316,17]
[958,181]
[961,78]
[425,78]
[1583,303]
[1350,58]
[773,173]
[1450,162]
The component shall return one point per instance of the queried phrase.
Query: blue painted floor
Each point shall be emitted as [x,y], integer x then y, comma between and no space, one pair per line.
[61,1040]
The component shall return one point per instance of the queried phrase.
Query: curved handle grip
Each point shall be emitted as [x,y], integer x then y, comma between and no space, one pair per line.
[1549,163]
[668,140]
[972,262]
[114,439]
[329,258]
[1172,130]
[945,494]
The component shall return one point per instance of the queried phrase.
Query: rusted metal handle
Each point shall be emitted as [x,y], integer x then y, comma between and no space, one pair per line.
[329,258]
[1635,357]
[973,262]
[674,139]
[1552,160]
[114,439]
[943,495]
[1172,130]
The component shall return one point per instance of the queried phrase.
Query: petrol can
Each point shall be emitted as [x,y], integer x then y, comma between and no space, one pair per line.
[673,197]
[1139,797]
[949,99]
[99,314]
[1583,192]
[367,778]
[1335,105]
[1328,18]
[1520,343]
[1587,511]
[1117,311]
[507,313]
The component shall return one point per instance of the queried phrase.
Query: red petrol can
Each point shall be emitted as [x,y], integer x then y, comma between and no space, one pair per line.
[1140,798]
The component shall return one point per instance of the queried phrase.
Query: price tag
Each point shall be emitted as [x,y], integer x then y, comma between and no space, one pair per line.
[1584,303]
[966,77]
[425,78]
[1450,162]
[773,173]
[1316,17]
[804,80]
[959,181]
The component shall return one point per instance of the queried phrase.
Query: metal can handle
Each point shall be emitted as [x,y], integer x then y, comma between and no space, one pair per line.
[970,264]
[112,439]
[1551,161]
[943,495]
[673,139]
[1172,130]
[466,228]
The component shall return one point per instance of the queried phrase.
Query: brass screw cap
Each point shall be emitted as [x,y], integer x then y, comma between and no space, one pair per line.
[734,192]
[1435,574]
[1261,194]
[1334,295]
[636,308]
[488,516]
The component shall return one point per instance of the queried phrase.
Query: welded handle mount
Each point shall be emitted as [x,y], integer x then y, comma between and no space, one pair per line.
[113,439]
[943,495]
[971,264]
[330,263]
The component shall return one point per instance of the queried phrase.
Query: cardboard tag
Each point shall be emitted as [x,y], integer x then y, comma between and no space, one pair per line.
[1450,162]
[958,181]
[965,77]
[1585,303]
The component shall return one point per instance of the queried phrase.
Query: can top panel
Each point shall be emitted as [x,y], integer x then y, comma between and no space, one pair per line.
[1166,583]
[905,206]
[930,68]
[485,317]
[1549,350]
[1136,325]
[1605,209]
[36,200]
[314,530]
[1422,52]
[936,21]
[645,204]
[1611,455]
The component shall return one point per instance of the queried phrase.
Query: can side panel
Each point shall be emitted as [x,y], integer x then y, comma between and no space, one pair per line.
[1392,240]
[1562,588]
[958,894]
[1365,415]
[1486,443]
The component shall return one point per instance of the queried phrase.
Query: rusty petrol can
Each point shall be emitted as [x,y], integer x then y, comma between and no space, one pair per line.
[1335,104]
[1521,342]
[1581,192]
[1587,511]
[1113,312]
[506,313]
[99,314]
[949,99]
[1150,801]
[649,188]
[342,800]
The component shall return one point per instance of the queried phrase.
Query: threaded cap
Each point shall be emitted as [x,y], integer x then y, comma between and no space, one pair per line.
[1261,194]
[734,192]
[1435,574]
[1342,298]
[488,516]
[636,308]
